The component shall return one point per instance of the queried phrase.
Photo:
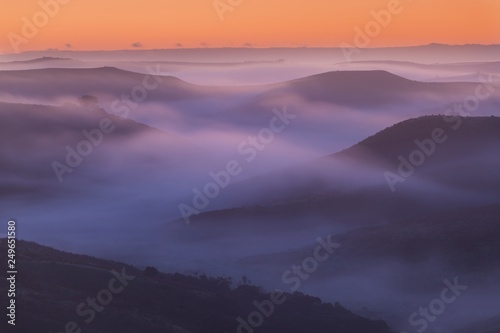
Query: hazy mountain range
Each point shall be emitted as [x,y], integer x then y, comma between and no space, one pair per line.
[393,155]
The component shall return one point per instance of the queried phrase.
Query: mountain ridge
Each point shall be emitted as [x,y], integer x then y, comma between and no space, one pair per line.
[379,151]
[151,301]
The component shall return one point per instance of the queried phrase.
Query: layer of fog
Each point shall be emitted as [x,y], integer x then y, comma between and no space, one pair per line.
[248,66]
[122,202]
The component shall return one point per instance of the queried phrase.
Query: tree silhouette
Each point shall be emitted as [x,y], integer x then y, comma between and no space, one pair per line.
[151,271]
[88,101]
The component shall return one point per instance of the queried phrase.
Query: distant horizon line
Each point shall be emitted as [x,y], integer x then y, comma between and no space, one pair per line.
[245,47]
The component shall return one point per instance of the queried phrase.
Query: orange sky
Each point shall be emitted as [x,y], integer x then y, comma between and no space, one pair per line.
[106,24]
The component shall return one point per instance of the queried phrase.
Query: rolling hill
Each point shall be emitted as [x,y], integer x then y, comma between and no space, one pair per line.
[352,184]
[51,284]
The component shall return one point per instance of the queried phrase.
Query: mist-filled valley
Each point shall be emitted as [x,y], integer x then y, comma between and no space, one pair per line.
[373,182]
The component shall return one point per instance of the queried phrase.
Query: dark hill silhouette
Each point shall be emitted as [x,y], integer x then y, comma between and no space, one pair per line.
[75,81]
[369,89]
[465,241]
[414,255]
[394,140]
[42,62]
[47,130]
[37,60]
[60,82]
[358,89]
[362,88]
[54,283]
[328,187]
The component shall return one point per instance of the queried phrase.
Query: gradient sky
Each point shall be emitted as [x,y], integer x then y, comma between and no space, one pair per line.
[105,25]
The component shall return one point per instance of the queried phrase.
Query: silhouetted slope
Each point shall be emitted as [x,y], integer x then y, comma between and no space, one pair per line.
[52,284]
[464,168]
[367,90]
[363,88]
[44,132]
[466,241]
[36,60]
[41,62]
[470,134]
[64,82]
